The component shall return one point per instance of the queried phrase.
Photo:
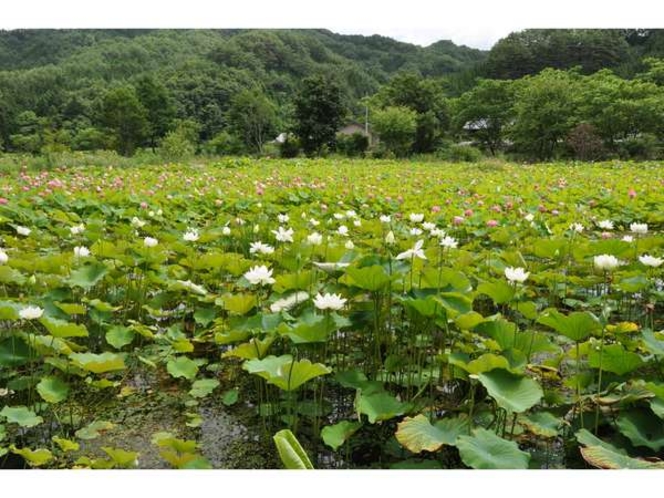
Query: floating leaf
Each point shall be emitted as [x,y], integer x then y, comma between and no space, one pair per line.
[98,363]
[66,445]
[512,392]
[52,389]
[21,415]
[291,452]
[122,458]
[485,450]
[182,367]
[202,387]
[284,372]
[336,435]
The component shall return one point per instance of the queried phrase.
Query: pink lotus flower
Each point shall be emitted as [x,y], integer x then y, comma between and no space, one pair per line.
[435,209]
[606,235]
[458,220]
[632,193]
[492,223]
[144,205]
[468,212]
[3,201]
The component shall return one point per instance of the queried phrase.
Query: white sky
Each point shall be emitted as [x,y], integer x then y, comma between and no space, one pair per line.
[476,23]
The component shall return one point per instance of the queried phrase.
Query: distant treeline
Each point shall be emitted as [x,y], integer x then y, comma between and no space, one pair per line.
[536,94]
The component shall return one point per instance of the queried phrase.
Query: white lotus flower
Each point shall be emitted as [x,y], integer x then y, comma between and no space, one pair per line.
[23,231]
[385,219]
[415,231]
[314,239]
[331,266]
[529,217]
[437,232]
[416,217]
[226,230]
[81,252]
[240,221]
[449,242]
[260,248]
[357,223]
[137,222]
[576,227]
[150,242]
[389,238]
[343,231]
[3,257]
[287,303]
[339,216]
[191,235]
[283,235]
[428,226]
[605,262]
[314,222]
[77,229]
[605,225]
[628,238]
[283,218]
[415,252]
[640,228]
[349,245]
[259,275]
[516,274]
[351,214]
[329,302]
[651,260]
[30,313]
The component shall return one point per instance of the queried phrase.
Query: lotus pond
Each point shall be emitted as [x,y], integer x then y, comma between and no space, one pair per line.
[334,314]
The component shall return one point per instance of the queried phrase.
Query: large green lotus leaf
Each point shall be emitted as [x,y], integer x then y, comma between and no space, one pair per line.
[499,291]
[3,433]
[484,363]
[427,307]
[239,304]
[231,336]
[293,281]
[255,348]
[35,458]
[284,372]
[417,434]
[371,278]
[543,424]
[468,321]
[454,303]
[657,407]
[72,308]
[445,279]
[336,435]
[202,387]
[14,352]
[119,336]
[512,392]
[633,283]
[52,389]
[603,455]
[642,427]
[94,429]
[654,343]
[309,328]
[9,275]
[379,406]
[615,359]
[485,450]
[98,363]
[21,415]
[87,276]
[66,445]
[182,367]
[291,452]
[9,310]
[577,325]
[62,328]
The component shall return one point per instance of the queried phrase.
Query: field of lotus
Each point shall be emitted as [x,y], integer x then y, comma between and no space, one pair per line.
[350,314]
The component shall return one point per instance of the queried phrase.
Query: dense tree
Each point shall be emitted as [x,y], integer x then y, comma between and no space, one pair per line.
[159,108]
[319,113]
[396,127]
[253,118]
[545,112]
[486,111]
[125,118]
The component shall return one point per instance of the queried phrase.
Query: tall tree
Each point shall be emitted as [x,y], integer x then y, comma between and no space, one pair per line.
[319,113]
[125,118]
[252,117]
[159,108]
[396,127]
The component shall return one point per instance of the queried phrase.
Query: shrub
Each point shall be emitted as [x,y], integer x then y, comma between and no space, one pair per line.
[354,145]
[290,147]
[460,153]
[585,143]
